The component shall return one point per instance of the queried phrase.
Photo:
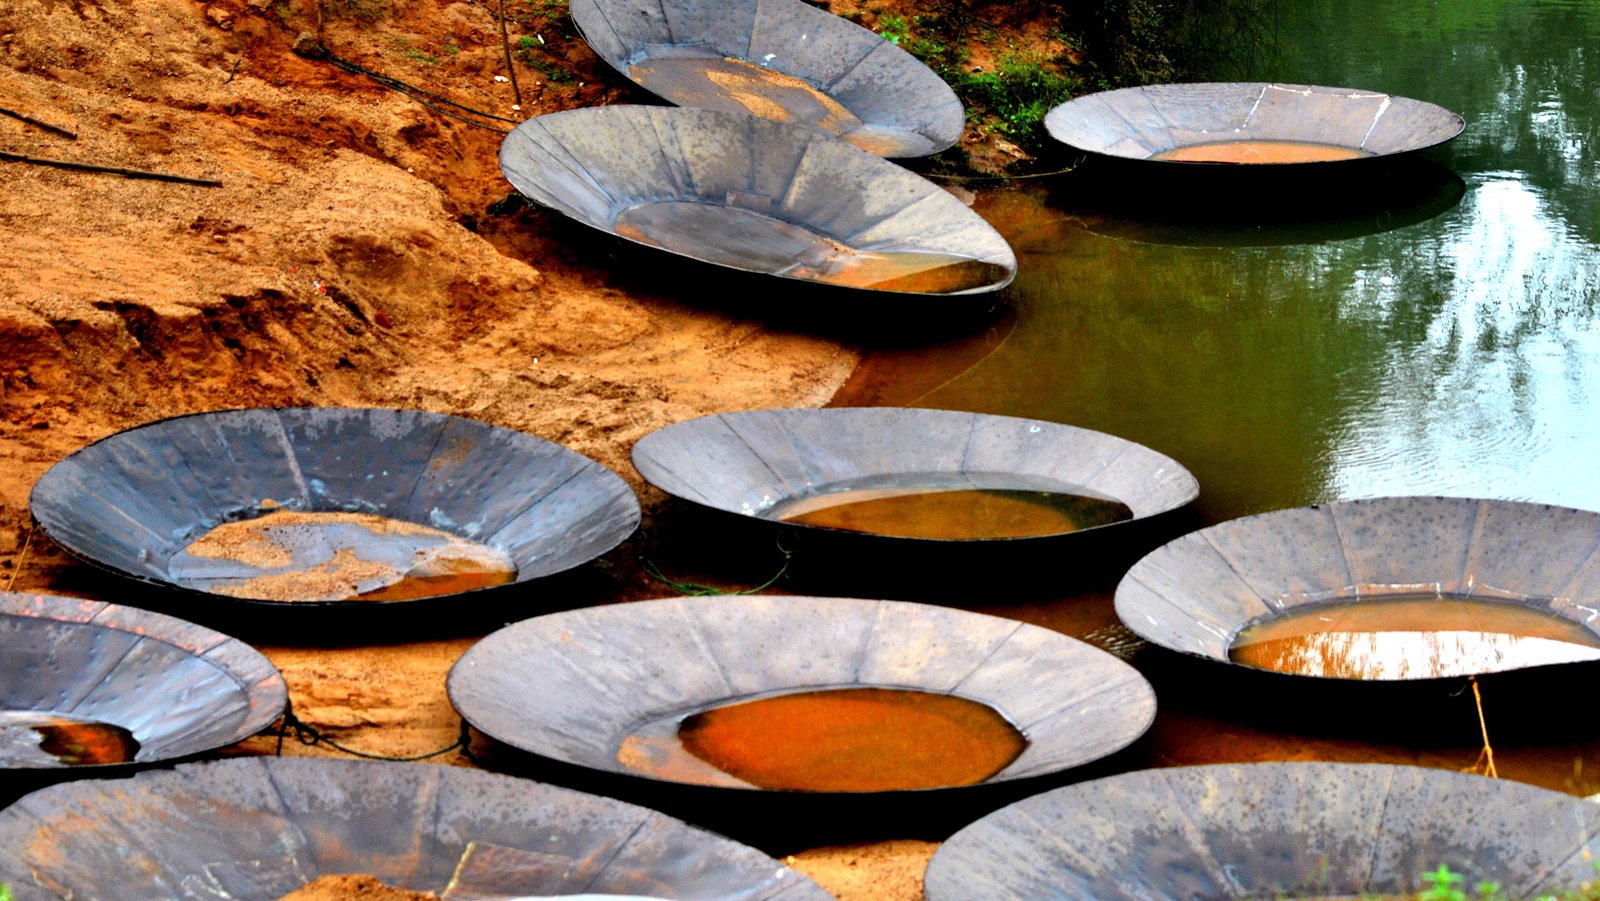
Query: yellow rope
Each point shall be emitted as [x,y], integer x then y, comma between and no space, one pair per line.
[1485,762]
[21,558]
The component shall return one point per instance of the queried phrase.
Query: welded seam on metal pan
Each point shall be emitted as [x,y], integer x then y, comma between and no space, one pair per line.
[966,447]
[1254,106]
[669,145]
[787,433]
[1182,614]
[1123,448]
[576,471]
[828,88]
[1083,867]
[436,780]
[575,168]
[697,632]
[617,850]
[1218,871]
[1569,588]
[1128,676]
[287,816]
[1375,835]
[1382,108]
[110,670]
[195,478]
[433,454]
[1206,535]
[1000,643]
[1576,806]
[666,21]
[1468,578]
[784,203]
[1344,546]
[861,657]
[289,454]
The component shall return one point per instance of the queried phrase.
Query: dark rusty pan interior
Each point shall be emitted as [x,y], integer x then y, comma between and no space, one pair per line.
[758,196]
[177,689]
[777,59]
[257,829]
[1270,125]
[1273,830]
[135,502]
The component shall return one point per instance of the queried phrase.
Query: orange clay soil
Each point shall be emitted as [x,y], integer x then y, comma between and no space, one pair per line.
[349,258]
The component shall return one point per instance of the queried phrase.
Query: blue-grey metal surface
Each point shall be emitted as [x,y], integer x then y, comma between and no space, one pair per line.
[179,688]
[132,502]
[751,462]
[755,195]
[1195,594]
[259,828]
[1271,830]
[777,59]
[1139,122]
[570,686]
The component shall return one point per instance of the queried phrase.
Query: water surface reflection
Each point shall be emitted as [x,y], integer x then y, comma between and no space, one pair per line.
[1287,362]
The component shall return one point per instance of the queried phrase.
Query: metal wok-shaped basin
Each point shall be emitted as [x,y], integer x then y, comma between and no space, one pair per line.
[755,195]
[257,829]
[572,686]
[1402,585]
[137,502]
[91,687]
[1249,123]
[1272,830]
[780,60]
[771,463]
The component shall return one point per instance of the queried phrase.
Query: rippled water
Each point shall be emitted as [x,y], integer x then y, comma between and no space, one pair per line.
[1428,338]
[1433,332]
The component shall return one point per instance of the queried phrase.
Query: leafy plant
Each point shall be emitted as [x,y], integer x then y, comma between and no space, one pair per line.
[532,54]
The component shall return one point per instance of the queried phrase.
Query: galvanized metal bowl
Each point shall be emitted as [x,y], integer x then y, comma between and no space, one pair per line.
[570,687]
[259,828]
[1272,830]
[179,689]
[1195,594]
[1153,121]
[759,462]
[780,60]
[755,195]
[134,501]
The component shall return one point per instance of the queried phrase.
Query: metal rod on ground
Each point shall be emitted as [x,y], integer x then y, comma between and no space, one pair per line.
[32,121]
[511,70]
[110,170]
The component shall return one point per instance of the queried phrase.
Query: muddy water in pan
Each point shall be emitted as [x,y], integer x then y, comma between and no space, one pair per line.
[1286,364]
[41,739]
[1415,637]
[831,740]
[929,507]
[1260,152]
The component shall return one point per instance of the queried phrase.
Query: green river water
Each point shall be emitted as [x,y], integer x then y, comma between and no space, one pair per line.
[1434,333]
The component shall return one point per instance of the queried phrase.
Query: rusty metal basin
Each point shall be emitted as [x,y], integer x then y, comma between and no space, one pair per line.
[570,687]
[1272,830]
[176,688]
[777,59]
[755,195]
[1254,123]
[1196,594]
[760,463]
[133,503]
[256,829]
